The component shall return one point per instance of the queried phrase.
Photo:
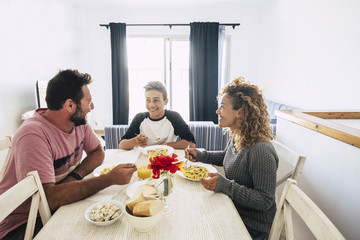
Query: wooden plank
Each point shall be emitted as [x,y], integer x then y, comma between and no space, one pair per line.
[335,115]
[23,190]
[340,132]
[289,230]
[319,224]
[99,131]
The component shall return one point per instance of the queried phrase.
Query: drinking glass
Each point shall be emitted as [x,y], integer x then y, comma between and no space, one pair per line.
[164,186]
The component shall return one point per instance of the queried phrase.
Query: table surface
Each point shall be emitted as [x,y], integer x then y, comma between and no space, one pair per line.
[196,212]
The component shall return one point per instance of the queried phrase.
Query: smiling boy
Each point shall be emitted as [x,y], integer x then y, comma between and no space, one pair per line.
[157,126]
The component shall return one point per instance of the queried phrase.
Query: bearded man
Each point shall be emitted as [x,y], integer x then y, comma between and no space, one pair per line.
[52,143]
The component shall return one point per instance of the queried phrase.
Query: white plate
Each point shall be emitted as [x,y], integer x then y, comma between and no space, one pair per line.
[97,170]
[209,167]
[89,209]
[133,187]
[170,149]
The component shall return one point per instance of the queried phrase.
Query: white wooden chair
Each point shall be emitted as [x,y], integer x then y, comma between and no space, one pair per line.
[29,187]
[294,198]
[291,163]
[5,143]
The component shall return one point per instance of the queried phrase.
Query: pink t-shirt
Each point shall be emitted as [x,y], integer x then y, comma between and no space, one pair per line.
[39,145]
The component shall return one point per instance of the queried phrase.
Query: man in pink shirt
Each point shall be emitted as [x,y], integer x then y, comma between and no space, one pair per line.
[52,143]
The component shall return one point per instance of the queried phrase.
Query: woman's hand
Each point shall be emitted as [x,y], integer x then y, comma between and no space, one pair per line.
[190,154]
[210,183]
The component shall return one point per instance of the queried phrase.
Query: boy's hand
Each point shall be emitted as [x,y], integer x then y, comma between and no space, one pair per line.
[141,140]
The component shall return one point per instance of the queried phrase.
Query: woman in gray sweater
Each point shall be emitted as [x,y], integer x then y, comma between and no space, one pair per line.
[250,161]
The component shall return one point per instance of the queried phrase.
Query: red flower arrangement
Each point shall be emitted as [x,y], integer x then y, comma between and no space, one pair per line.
[163,163]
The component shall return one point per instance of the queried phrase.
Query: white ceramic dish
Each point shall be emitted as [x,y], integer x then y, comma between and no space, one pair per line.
[142,224]
[133,187]
[97,170]
[170,149]
[89,209]
[209,167]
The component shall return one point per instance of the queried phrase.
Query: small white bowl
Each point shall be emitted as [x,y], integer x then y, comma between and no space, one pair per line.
[142,224]
[89,209]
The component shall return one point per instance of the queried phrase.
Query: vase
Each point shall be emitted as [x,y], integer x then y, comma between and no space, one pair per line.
[164,186]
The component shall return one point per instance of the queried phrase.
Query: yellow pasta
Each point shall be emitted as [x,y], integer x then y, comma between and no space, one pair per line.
[196,172]
[106,170]
[157,151]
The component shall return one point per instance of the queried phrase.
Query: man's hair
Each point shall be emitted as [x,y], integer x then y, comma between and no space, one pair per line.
[158,86]
[67,84]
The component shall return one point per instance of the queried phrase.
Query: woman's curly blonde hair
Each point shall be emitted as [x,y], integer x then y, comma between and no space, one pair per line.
[255,124]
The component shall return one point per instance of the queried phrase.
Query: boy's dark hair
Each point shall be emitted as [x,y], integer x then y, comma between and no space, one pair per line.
[67,84]
[158,86]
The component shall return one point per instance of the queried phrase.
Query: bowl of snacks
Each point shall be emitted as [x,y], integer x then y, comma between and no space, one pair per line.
[104,213]
[143,213]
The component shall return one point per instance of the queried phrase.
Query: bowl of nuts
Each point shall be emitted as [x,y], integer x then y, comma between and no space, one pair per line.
[104,213]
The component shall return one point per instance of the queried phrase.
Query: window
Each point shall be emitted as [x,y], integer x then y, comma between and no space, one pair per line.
[146,63]
[41,94]
[164,59]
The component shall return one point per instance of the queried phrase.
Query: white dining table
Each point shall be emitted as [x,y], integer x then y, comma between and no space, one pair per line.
[196,213]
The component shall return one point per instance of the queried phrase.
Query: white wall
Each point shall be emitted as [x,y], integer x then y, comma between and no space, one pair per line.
[309,58]
[310,53]
[37,39]
[330,176]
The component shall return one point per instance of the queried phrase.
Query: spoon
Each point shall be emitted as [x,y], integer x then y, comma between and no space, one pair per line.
[111,217]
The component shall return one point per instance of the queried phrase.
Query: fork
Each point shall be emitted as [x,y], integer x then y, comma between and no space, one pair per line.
[187,159]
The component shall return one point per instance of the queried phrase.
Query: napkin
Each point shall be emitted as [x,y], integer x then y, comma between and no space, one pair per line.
[122,156]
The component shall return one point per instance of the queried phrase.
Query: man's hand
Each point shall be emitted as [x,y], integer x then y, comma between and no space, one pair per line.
[68,192]
[122,173]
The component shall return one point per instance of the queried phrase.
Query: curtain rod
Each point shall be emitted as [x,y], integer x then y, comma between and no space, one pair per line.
[170,25]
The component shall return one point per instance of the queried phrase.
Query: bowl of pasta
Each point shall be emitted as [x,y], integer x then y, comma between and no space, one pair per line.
[154,150]
[196,170]
[104,213]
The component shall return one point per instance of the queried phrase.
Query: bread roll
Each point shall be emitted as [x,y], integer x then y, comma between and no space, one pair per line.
[139,198]
[148,208]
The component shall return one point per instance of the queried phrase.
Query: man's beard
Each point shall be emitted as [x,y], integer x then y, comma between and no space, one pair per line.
[78,117]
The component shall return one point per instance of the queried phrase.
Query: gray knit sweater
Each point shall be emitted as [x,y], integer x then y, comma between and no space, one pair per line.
[250,181]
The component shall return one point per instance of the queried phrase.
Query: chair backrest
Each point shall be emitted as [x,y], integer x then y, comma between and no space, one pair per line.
[29,187]
[291,163]
[5,143]
[207,135]
[294,198]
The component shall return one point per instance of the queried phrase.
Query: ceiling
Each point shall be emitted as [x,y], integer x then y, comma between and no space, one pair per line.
[162,3]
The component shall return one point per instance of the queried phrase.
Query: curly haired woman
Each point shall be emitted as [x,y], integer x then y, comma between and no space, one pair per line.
[250,160]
